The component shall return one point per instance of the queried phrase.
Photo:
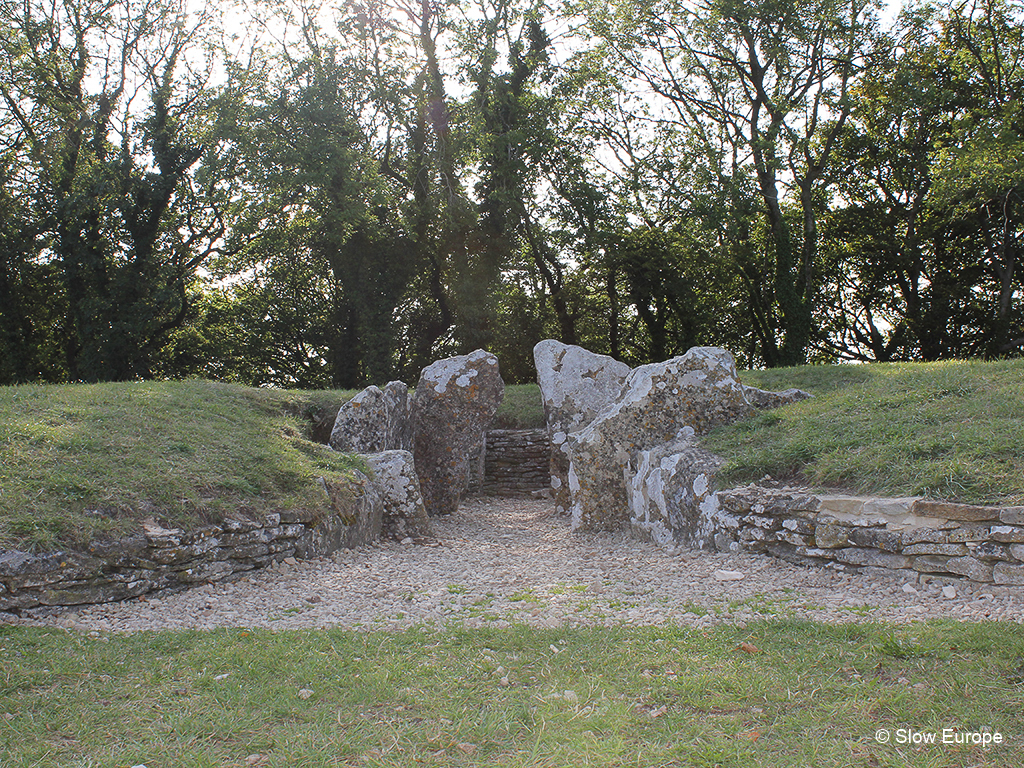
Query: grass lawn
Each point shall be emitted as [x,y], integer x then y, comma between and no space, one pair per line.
[772,694]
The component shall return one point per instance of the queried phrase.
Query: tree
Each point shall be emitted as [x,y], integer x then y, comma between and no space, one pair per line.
[762,90]
[930,168]
[114,207]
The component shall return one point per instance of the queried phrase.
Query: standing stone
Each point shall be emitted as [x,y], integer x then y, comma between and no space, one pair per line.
[660,403]
[672,494]
[374,420]
[454,402]
[395,476]
[576,385]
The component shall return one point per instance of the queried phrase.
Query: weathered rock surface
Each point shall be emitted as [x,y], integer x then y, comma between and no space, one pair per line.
[404,513]
[672,494]
[353,518]
[454,402]
[575,385]
[375,420]
[763,399]
[660,403]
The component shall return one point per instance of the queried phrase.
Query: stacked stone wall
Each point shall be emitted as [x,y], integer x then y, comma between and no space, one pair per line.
[516,462]
[913,537]
[165,558]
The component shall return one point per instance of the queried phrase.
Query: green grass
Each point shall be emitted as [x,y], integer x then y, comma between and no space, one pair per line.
[810,694]
[949,430]
[522,408]
[87,461]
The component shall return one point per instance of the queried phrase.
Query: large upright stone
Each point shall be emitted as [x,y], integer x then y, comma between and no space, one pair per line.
[575,385]
[671,493]
[660,403]
[454,402]
[374,420]
[395,476]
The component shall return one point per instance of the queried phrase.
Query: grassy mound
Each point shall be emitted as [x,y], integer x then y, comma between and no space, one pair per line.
[79,462]
[948,430]
[87,461]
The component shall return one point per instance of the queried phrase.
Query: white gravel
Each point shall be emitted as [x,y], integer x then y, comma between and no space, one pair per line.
[513,560]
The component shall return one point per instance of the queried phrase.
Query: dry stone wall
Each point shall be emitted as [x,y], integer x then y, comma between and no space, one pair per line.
[166,558]
[909,536]
[516,462]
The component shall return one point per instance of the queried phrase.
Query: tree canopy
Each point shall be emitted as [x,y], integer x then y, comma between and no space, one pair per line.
[331,195]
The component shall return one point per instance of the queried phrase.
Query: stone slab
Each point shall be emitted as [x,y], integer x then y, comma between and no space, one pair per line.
[950,511]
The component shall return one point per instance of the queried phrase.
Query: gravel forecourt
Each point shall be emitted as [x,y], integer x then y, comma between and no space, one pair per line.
[500,560]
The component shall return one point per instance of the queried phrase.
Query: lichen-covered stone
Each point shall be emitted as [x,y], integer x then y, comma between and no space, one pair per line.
[375,420]
[1008,573]
[928,548]
[973,569]
[864,556]
[765,400]
[404,514]
[931,564]
[989,551]
[967,532]
[1012,515]
[659,403]
[831,536]
[952,511]
[575,386]
[671,491]
[1008,534]
[877,538]
[353,517]
[454,402]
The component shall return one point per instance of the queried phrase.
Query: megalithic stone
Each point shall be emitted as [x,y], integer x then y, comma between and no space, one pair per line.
[575,385]
[660,403]
[454,402]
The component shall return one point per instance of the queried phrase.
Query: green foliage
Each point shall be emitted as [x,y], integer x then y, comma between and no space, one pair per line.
[396,183]
[104,190]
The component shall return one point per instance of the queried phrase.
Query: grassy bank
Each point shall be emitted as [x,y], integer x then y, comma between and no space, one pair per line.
[773,694]
[86,461]
[949,430]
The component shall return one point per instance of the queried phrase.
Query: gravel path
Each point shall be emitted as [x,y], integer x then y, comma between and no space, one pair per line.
[502,560]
